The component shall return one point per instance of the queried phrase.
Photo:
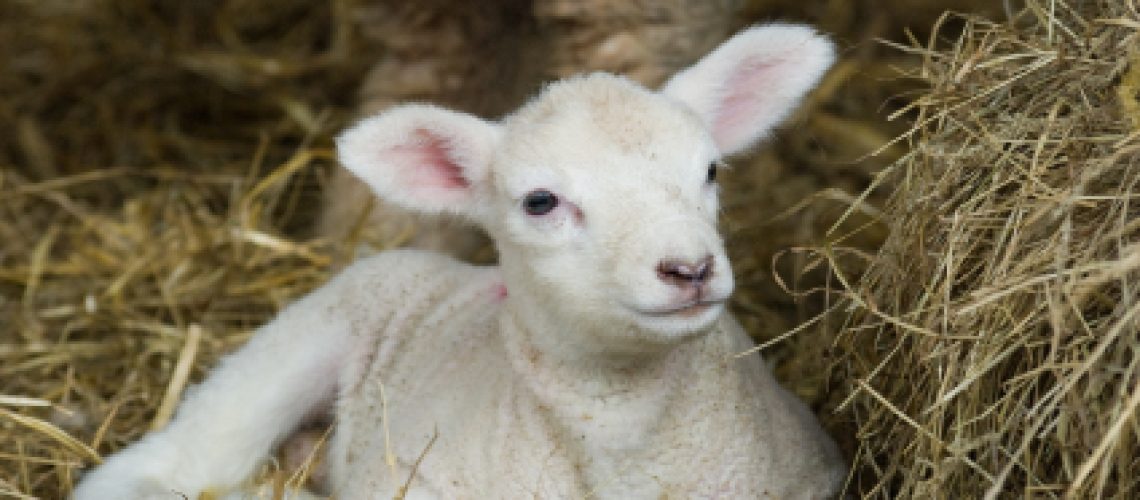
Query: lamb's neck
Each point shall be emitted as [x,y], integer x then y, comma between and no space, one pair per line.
[612,404]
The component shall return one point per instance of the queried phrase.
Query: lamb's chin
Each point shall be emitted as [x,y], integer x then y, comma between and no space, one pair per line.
[678,324]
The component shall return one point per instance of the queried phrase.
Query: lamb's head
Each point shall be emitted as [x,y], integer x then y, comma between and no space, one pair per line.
[601,194]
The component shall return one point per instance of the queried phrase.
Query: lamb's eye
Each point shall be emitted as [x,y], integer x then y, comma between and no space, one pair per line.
[712,173]
[540,202]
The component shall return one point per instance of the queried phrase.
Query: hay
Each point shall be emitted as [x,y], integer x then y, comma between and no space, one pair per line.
[992,346]
[154,189]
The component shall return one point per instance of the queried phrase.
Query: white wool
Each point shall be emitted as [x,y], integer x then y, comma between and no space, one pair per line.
[595,361]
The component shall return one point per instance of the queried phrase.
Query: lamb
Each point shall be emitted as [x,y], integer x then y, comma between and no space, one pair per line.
[596,360]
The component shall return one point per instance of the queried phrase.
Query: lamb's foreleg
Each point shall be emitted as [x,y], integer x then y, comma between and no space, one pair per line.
[229,424]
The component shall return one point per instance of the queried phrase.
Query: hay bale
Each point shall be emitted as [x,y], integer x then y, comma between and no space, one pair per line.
[992,348]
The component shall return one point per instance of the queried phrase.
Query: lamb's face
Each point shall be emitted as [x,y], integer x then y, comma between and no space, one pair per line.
[604,203]
[599,191]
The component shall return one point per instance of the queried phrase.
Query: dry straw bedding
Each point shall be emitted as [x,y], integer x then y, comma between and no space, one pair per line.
[163,163]
[155,178]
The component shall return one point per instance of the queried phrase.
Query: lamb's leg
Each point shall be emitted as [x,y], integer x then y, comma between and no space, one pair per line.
[227,425]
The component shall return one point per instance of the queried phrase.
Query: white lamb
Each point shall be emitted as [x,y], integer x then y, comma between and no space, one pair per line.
[596,361]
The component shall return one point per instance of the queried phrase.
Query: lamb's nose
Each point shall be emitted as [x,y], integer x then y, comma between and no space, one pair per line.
[685,274]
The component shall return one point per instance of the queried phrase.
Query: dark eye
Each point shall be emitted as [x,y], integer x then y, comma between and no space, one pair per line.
[540,202]
[712,173]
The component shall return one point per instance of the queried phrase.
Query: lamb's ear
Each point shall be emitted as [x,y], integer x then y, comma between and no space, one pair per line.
[752,81]
[423,158]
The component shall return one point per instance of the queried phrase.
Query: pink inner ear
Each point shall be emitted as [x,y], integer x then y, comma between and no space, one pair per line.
[428,161]
[747,94]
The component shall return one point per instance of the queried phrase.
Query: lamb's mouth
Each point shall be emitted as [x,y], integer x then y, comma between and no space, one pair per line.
[686,310]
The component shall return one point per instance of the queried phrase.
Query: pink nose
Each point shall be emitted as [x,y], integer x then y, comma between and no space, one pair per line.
[685,274]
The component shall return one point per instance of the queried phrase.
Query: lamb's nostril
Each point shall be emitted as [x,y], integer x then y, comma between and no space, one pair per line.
[685,273]
[704,269]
